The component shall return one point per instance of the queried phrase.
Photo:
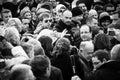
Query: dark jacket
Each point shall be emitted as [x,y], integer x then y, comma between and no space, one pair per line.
[108,71]
[55,75]
[64,63]
[114,42]
[60,26]
[72,30]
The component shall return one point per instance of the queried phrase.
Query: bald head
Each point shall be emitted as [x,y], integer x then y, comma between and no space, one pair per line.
[66,17]
[115,55]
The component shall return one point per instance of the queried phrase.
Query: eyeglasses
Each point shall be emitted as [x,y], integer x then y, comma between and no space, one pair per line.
[48,20]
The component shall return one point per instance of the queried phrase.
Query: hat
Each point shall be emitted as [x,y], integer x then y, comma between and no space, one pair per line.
[24,10]
[76,11]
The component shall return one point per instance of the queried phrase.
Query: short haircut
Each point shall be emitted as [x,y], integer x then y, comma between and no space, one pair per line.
[115,53]
[101,55]
[19,71]
[39,65]
[90,30]
[5,11]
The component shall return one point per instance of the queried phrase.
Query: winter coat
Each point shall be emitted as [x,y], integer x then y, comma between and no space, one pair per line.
[108,71]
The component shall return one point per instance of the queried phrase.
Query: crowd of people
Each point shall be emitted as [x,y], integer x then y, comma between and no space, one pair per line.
[60,40]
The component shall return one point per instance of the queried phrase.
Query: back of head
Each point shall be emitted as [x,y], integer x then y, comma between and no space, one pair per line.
[38,50]
[115,55]
[46,43]
[63,44]
[21,72]
[39,65]
[101,41]
[102,55]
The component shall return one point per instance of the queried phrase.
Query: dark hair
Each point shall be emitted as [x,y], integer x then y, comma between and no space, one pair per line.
[101,41]
[39,65]
[46,43]
[101,55]
[5,11]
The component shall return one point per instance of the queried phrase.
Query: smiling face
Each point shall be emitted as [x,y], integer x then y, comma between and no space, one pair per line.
[85,33]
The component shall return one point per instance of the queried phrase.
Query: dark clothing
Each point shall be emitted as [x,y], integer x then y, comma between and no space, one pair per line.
[64,63]
[101,41]
[87,67]
[114,42]
[108,71]
[72,30]
[55,75]
[61,26]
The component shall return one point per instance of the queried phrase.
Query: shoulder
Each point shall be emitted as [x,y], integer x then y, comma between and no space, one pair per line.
[55,70]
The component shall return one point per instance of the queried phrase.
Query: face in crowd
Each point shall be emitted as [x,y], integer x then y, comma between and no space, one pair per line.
[25,23]
[83,7]
[87,49]
[47,22]
[6,16]
[66,17]
[85,33]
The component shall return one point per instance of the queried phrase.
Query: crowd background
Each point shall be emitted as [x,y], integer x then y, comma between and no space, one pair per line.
[59,40]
